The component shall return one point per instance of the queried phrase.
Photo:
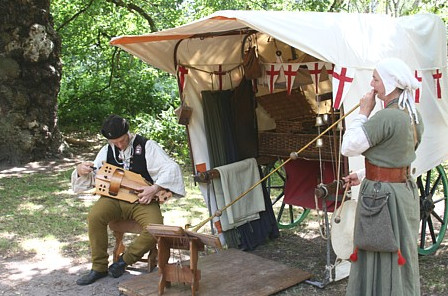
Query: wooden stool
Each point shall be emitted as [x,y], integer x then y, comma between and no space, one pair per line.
[174,237]
[119,228]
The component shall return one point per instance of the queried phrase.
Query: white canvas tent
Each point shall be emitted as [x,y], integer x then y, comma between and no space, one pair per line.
[354,41]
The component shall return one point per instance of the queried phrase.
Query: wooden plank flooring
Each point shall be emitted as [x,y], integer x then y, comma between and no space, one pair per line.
[229,272]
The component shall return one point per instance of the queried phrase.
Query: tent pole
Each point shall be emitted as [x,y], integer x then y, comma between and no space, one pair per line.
[190,151]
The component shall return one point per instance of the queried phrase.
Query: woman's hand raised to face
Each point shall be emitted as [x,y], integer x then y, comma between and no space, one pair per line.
[367,103]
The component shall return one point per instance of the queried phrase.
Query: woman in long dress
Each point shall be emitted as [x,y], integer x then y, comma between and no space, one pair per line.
[388,141]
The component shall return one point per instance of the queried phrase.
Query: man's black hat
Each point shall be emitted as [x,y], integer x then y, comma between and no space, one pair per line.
[114,127]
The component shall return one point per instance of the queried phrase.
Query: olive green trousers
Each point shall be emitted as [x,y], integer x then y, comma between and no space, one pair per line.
[108,209]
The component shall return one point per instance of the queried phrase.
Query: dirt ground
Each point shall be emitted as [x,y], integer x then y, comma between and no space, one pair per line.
[48,273]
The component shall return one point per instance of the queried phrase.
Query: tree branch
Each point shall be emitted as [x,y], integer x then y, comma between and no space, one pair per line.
[334,5]
[111,76]
[138,10]
[75,16]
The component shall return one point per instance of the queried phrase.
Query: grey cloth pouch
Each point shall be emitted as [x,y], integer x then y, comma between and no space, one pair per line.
[373,230]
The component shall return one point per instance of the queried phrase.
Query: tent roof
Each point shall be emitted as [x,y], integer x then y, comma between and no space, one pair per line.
[349,40]
[355,41]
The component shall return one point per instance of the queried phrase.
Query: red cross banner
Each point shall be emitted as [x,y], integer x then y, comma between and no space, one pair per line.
[437,75]
[418,76]
[315,70]
[290,71]
[272,72]
[342,80]
[219,73]
[181,72]
[281,77]
[329,67]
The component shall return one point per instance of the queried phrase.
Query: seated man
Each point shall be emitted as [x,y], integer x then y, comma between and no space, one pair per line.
[139,155]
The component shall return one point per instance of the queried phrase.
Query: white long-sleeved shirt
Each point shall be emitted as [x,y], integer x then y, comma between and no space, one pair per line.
[164,171]
[355,141]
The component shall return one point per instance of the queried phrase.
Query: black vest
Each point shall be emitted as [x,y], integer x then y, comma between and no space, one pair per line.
[138,160]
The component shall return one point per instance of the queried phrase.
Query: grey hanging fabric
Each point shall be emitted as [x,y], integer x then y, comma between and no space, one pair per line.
[246,131]
[218,121]
[232,135]
[230,124]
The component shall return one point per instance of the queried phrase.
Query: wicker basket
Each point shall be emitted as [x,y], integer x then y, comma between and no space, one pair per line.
[289,126]
[282,144]
[302,125]
[282,106]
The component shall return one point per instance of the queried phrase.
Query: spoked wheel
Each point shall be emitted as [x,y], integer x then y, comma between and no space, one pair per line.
[433,192]
[288,216]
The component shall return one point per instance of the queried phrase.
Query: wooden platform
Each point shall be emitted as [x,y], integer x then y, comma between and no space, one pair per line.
[229,272]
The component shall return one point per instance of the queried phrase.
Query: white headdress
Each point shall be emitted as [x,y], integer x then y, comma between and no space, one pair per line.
[396,74]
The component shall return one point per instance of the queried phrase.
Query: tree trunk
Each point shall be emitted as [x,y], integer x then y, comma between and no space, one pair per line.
[30,75]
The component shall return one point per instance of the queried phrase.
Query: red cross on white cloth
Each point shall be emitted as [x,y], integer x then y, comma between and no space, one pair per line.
[220,73]
[437,75]
[417,91]
[329,67]
[272,73]
[290,71]
[342,80]
[315,69]
[181,72]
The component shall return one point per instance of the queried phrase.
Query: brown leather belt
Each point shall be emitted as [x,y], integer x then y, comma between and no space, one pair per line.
[391,175]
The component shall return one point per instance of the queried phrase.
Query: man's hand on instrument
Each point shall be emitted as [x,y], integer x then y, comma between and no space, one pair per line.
[351,180]
[85,168]
[148,193]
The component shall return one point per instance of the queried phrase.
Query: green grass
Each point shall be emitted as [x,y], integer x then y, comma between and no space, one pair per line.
[39,208]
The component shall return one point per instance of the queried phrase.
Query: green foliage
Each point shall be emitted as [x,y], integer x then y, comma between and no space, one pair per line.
[165,130]
[136,89]
[394,8]
[431,6]
[100,79]
[201,8]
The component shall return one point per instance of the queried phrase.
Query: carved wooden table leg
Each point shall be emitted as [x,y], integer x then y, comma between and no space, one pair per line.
[164,256]
[175,237]
[194,266]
